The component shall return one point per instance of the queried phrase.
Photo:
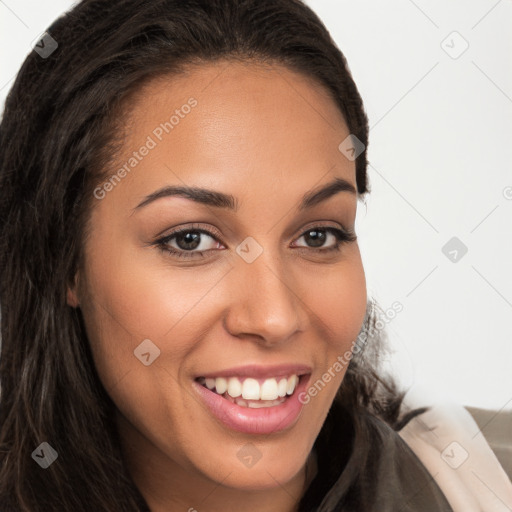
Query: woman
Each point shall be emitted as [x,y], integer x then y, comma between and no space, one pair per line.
[177,332]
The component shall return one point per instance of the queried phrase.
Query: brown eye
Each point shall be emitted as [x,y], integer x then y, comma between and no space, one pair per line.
[188,243]
[317,237]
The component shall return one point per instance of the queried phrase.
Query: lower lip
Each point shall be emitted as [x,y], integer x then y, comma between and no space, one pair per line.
[265,420]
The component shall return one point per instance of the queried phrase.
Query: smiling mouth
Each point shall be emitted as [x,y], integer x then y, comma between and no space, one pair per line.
[253,393]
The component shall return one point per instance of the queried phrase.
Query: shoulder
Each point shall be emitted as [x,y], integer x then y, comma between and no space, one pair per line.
[402,478]
[382,474]
[496,426]
[468,453]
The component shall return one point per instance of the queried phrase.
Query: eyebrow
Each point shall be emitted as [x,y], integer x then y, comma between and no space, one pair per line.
[228,201]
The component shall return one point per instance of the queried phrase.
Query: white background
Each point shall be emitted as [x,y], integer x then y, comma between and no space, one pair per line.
[440,158]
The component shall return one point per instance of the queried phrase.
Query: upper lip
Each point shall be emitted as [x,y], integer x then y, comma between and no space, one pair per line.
[259,371]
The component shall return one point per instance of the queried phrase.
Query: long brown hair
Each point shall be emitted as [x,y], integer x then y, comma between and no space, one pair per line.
[56,141]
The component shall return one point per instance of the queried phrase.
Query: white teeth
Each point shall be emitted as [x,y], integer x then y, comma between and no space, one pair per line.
[221,385]
[269,390]
[292,382]
[282,387]
[254,404]
[250,389]
[234,387]
[259,405]
[240,401]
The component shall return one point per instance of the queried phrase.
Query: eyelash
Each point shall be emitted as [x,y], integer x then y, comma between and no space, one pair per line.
[343,236]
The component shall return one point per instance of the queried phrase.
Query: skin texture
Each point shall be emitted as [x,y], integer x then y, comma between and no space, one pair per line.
[267,135]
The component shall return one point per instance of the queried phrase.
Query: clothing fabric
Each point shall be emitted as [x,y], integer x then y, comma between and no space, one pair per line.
[382,474]
[453,447]
[440,461]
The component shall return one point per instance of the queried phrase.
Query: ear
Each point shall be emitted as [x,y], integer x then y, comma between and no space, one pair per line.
[72,292]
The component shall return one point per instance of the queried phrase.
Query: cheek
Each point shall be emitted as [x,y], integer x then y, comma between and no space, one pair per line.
[135,296]
[141,297]
[339,301]
[131,303]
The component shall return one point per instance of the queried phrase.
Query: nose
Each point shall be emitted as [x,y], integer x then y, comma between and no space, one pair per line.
[265,303]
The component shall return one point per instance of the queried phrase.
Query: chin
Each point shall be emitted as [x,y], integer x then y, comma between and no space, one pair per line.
[265,478]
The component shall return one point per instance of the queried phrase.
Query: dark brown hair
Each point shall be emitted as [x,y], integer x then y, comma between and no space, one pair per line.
[56,140]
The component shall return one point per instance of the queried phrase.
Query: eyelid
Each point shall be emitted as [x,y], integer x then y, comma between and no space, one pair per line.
[194,226]
[340,232]
[197,226]
[323,224]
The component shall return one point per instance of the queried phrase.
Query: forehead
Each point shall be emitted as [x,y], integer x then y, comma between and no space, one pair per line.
[236,94]
[250,123]
[241,80]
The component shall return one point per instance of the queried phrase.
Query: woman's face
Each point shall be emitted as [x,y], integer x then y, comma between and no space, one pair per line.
[254,290]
